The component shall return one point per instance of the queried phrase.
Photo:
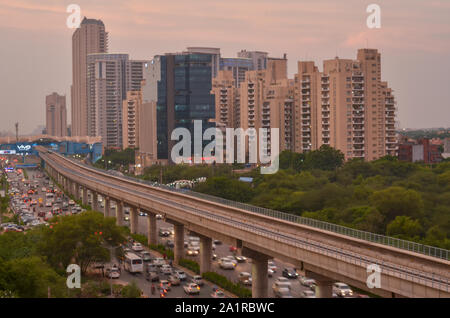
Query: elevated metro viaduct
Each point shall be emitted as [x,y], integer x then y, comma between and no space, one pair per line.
[323,251]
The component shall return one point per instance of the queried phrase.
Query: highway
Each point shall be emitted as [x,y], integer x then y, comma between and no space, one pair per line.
[260,226]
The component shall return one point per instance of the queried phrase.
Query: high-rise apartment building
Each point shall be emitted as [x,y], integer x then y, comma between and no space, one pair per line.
[90,37]
[259,59]
[266,101]
[109,78]
[56,115]
[130,119]
[238,66]
[226,98]
[346,106]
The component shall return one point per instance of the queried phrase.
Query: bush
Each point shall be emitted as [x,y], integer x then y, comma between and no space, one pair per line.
[140,238]
[131,291]
[223,282]
[190,264]
[163,250]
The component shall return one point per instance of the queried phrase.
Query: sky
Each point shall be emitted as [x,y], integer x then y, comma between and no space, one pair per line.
[414,41]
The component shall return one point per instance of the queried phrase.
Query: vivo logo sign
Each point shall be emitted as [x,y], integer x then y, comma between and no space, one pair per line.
[24,147]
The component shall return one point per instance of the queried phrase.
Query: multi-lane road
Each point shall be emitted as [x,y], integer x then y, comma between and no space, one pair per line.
[221,250]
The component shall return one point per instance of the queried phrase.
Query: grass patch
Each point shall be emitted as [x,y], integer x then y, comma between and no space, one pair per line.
[228,285]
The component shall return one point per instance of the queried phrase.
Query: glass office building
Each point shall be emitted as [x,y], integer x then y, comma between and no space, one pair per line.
[183,95]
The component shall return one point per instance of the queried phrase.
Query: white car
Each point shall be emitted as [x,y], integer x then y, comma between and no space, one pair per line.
[308,294]
[137,247]
[113,272]
[159,261]
[71,202]
[342,290]
[197,279]
[225,263]
[282,281]
[191,289]
[272,266]
[166,269]
[308,282]
[180,275]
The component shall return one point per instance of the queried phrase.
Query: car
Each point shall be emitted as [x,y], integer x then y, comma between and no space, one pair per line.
[191,288]
[245,278]
[41,214]
[308,282]
[113,272]
[71,202]
[180,274]
[232,259]
[159,217]
[191,252]
[217,242]
[48,204]
[174,280]
[164,284]
[146,256]
[218,294]
[289,273]
[152,277]
[282,282]
[233,249]
[141,213]
[197,279]
[166,269]
[164,232]
[342,289]
[282,292]
[159,261]
[308,294]
[225,263]
[137,247]
[170,244]
[151,268]
[270,272]
[271,265]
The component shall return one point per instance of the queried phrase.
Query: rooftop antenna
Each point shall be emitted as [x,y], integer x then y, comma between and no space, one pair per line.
[17,132]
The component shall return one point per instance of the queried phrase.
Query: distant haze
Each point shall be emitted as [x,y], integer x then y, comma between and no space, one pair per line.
[414,40]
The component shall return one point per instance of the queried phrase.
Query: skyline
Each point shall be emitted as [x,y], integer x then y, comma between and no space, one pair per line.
[414,51]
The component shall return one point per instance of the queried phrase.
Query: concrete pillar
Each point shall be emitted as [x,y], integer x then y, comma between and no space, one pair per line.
[94,201]
[76,191]
[107,210]
[260,280]
[85,196]
[119,213]
[324,289]
[134,219]
[324,285]
[151,230]
[205,254]
[178,249]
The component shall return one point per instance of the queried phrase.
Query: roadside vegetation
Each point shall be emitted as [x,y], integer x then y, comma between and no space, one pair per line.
[33,263]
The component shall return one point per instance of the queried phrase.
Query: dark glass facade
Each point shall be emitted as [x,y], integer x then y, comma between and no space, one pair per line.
[184,95]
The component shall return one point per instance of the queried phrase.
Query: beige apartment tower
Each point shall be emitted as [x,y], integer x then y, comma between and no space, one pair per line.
[56,115]
[89,38]
[346,106]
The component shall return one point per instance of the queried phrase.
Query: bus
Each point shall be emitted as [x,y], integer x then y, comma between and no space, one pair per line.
[133,263]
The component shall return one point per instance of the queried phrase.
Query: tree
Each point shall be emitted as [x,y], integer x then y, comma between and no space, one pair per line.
[131,291]
[80,239]
[31,277]
[397,201]
[227,188]
[404,227]
[325,158]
